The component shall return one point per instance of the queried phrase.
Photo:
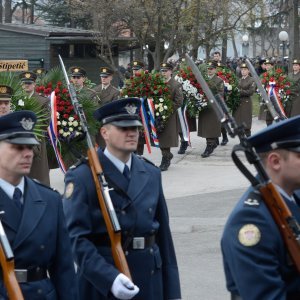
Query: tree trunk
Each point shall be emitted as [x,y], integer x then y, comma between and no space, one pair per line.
[7,11]
[294,51]
[225,36]
[1,12]
[234,44]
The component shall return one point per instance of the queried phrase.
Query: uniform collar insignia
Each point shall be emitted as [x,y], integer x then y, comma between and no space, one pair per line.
[131,109]
[27,124]
[251,202]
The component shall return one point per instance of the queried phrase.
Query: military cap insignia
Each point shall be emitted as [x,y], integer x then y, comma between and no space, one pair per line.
[27,75]
[3,90]
[164,65]
[27,124]
[249,235]
[39,71]
[76,70]
[69,190]
[131,109]
[104,70]
[135,63]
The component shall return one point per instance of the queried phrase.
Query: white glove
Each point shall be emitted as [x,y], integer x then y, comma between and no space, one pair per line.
[123,288]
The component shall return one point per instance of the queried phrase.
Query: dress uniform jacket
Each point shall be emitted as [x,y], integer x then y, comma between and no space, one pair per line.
[169,136]
[39,238]
[103,96]
[256,262]
[141,211]
[243,113]
[40,167]
[293,108]
[208,124]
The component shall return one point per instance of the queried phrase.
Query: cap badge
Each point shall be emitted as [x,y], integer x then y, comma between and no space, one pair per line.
[27,124]
[164,65]
[39,71]
[3,90]
[131,109]
[27,75]
[76,70]
[295,61]
[104,70]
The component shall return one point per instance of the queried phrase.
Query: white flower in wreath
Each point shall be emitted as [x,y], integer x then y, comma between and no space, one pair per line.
[161,100]
[229,87]
[79,128]
[77,133]
[156,106]
[64,123]
[71,129]
[157,114]
[75,123]
[61,131]
[70,123]
[71,119]
[179,79]
[65,134]
[163,117]
[58,123]
[21,102]
[161,109]
[165,107]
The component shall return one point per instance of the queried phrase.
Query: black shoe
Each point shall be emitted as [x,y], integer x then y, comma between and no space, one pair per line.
[183,147]
[165,164]
[208,150]
[224,141]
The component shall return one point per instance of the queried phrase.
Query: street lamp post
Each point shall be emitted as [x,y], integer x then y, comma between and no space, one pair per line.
[283,37]
[245,46]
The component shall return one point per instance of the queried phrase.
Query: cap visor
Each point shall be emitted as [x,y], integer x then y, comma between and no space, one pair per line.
[5,98]
[23,141]
[126,123]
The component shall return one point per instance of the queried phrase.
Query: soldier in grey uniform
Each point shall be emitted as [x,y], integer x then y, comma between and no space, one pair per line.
[209,126]
[169,136]
[293,107]
[40,167]
[104,93]
[247,87]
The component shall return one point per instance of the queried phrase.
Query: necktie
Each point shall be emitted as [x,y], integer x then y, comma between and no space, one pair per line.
[126,173]
[17,198]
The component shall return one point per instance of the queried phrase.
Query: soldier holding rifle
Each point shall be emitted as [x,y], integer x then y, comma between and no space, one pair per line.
[32,217]
[137,195]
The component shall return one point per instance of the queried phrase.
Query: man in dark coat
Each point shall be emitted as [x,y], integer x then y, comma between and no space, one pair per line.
[5,99]
[247,88]
[40,166]
[209,126]
[139,202]
[256,262]
[169,136]
[293,108]
[32,217]
[104,93]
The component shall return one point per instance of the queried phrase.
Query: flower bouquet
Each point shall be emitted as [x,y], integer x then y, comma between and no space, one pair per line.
[231,87]
[148,85]
[193,93]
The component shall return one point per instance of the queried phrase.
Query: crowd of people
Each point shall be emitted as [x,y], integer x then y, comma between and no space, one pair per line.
[62,249]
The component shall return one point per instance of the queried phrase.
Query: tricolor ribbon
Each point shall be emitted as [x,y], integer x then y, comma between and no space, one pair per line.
[152,122]
[53,134]
[184,123]
[145,125]
[275,99]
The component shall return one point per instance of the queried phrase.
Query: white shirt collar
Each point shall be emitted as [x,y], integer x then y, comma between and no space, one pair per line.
[9,189]
[118,163]
[104,87]
[284,194]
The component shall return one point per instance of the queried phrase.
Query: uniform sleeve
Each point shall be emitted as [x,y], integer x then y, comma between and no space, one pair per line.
[165,242]
[253,270]
[62,271]
[249,90]
[92,265]
[178,97]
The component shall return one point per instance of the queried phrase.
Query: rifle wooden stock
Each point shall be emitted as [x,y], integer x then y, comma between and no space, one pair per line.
[115,237]
[284,221]
[9,276]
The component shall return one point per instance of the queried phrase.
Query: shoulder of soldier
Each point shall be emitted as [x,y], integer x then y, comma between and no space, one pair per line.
[79,162]
[147,161]
[44,186]
[252,199]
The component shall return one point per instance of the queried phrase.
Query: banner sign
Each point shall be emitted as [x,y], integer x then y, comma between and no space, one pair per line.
[13,65]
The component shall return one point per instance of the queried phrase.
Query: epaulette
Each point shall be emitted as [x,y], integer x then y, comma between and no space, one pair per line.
[46,186]
[146,160]
[253,200]
[80,161]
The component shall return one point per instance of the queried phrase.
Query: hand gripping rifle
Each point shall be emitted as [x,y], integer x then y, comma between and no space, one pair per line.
[105,202]
[8,267]
[286,222]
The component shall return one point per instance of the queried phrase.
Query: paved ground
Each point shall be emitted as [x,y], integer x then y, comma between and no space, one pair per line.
[200,193]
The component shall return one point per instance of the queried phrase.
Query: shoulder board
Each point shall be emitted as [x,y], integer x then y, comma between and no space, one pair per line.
[80,161]
[253,200]
[146,160]
[46,186]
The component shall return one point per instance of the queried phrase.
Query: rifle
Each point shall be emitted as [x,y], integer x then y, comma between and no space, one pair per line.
[285,221]
[8,267]
[105,202]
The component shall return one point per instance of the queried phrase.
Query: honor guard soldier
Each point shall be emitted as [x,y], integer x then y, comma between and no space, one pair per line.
[40,73]
[138,199]
[169,136]
[32,217]
[209,127]
[293,106]
[256,262]
[78,76]
[247,87]
[104,93]
[40,166]
[5,99]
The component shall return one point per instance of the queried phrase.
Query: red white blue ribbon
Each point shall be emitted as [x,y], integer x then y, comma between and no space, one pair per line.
[53,134]
[184,123]
[152,122]
[275,99]
[145,125]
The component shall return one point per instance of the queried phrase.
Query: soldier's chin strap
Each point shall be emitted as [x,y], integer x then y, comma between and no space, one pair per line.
[241,166]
